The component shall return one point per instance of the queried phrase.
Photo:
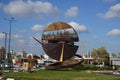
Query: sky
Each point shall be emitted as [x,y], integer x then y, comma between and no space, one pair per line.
[97,22]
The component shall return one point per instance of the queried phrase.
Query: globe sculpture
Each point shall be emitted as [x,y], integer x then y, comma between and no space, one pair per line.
[58,42]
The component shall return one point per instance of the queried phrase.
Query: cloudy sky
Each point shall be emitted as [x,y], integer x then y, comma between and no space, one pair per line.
[96,21]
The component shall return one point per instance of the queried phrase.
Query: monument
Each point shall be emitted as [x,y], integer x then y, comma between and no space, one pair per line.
[58,42]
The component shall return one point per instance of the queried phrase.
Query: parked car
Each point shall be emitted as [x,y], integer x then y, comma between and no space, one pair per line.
[9,65]
[118,69]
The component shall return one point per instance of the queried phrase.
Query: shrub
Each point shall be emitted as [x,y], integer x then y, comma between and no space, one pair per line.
[91,67]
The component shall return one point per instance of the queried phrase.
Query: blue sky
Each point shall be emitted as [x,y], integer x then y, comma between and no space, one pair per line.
[96,21]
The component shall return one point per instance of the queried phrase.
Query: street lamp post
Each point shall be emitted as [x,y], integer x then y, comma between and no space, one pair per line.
[9,42]
[5,38]
[5,43]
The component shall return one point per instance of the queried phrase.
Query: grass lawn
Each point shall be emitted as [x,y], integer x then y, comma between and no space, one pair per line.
[59,75]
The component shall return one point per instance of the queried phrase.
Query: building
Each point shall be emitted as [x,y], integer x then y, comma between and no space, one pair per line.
[115,61]
[22,54]
[2,53]
[13,54]
[19,58]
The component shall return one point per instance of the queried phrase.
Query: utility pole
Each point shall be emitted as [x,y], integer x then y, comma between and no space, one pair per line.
[83,47]
[5,43]
[83,52]
[5,39]
[9,42]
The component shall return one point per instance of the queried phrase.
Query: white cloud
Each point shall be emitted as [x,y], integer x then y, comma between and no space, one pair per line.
[30,9]
[114,32]
[95,37]
[21,41]
[1,35]
[17,36]
[113,12]
[72,12]
[37,27]
[78,27]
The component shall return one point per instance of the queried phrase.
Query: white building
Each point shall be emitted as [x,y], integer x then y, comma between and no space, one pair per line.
[115,61]
[22,54]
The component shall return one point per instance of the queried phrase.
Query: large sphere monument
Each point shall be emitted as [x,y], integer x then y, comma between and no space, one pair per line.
[58,43]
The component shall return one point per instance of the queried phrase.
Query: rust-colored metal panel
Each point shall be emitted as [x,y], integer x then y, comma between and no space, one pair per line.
[65,64]
[54,50]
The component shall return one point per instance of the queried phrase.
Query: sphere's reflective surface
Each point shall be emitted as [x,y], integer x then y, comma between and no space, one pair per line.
[58,32]
[55,36]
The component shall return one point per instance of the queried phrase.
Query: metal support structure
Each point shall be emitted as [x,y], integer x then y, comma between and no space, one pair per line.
[83,47]
[5,41]
[83,53]
[62,53]
[9,42]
